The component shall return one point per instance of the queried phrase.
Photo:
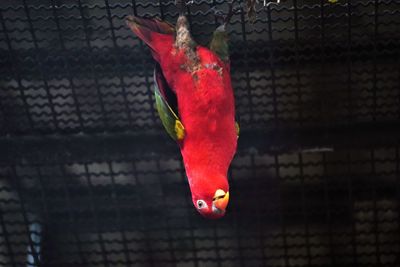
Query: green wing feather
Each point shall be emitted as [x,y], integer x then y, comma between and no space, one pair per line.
[169,119]
[219,43]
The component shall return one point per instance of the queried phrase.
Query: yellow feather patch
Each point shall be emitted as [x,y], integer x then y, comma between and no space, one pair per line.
[237,128]
[179,130]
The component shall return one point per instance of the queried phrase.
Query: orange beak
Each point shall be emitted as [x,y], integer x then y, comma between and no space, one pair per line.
[221,199]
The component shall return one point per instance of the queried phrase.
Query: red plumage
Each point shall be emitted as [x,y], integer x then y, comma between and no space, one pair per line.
[205,106]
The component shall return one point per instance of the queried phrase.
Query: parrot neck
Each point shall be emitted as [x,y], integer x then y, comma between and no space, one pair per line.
[206,179]
[196,169]
[205,164]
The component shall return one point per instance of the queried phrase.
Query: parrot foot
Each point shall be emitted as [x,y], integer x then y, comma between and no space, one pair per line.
[226,17]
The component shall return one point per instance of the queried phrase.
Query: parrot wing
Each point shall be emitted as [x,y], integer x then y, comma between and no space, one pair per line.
[219,44]
[159,36]
[166,105]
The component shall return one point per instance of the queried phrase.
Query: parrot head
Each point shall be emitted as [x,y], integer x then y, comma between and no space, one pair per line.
[210,200]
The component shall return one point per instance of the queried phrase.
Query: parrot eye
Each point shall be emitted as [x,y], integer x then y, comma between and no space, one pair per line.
[201,204]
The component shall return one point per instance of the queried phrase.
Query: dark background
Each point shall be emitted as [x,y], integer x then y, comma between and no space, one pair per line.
[87,170]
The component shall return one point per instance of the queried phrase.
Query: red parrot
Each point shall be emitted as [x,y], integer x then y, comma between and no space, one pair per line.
[195,102]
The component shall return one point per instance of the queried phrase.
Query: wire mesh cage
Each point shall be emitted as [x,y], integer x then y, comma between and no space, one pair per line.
[90,178]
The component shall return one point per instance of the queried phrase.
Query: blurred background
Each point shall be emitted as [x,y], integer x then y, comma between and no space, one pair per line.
[88,177]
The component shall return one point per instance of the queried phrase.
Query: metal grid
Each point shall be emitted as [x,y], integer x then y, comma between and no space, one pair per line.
[89,178]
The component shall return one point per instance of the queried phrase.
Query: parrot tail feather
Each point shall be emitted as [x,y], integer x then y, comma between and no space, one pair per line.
[147,29]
